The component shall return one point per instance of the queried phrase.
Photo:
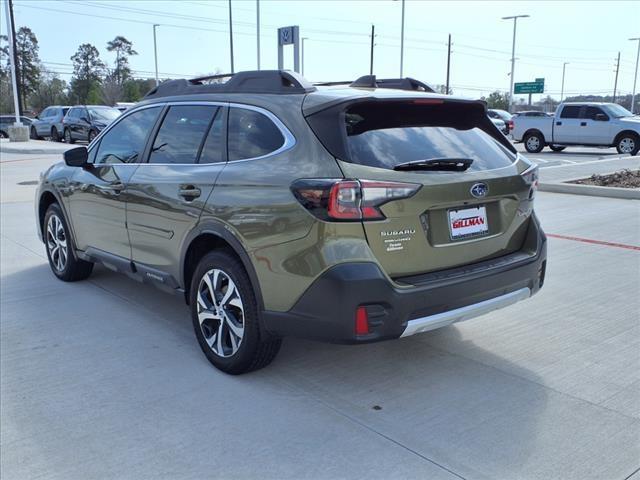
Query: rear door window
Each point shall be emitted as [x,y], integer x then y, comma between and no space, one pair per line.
[125,142]
[571,111]
[181,134]
[251,134]
[385,136]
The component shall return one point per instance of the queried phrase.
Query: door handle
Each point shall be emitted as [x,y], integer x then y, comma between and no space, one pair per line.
[583,124]
[189,192]
[558,123]
[117,187]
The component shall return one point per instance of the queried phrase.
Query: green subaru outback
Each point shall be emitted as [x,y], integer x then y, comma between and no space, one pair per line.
[344,212]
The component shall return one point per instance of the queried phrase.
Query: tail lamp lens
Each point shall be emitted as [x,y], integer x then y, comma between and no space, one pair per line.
[349,200]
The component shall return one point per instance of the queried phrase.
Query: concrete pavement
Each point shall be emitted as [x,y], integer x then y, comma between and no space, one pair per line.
[104,378]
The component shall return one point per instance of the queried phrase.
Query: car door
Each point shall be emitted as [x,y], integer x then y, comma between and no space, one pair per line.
[595,126]
[82,124]
[566,129]
[42,122]
[166,194]
[97,198]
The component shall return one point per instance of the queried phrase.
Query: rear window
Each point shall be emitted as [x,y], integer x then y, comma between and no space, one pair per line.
[570,111]
[386,135]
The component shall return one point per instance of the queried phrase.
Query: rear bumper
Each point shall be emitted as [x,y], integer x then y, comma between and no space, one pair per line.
[326,311]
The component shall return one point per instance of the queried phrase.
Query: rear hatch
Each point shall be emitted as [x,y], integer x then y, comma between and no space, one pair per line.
[466,198]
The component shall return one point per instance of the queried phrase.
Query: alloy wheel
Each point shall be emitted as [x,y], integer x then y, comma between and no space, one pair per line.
[220,312]
[57,243]
[533,143]
[627,144]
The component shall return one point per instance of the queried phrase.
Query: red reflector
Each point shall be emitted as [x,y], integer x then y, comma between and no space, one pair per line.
[362,321]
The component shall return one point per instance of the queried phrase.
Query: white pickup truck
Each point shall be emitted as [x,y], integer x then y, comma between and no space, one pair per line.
[587,123]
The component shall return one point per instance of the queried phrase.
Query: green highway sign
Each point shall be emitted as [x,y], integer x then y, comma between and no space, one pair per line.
[529,87]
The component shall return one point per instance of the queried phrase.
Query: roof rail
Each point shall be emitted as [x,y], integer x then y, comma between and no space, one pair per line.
[259,81]
[370,81]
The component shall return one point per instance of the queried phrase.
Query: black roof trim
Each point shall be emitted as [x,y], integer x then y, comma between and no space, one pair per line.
[258,81]
[370,81]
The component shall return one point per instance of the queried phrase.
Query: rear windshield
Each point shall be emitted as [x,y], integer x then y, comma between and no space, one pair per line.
[384,136]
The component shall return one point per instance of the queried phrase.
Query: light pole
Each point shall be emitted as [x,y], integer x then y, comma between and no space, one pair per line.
[635,77]
[12,62]
[513,53]
[231,37]
[258,29]
[564,66]
[402,41]
[303,39]
[155,52]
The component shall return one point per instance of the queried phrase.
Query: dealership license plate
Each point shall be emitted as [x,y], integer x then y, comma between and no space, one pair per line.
[468,222]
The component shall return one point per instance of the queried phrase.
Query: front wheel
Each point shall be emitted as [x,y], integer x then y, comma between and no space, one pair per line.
[67,136]
[62,260]
[534,142]
[628,143]
[557,148]
[33,134]
[224,312]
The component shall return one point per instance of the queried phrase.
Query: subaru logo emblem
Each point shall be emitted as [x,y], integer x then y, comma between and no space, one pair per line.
[479,190]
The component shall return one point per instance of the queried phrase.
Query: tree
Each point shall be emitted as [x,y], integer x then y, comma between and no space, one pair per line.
[51,90]
[110,90]
[6,92]
[87,73]
[497,100]
[28,62]
[124,49]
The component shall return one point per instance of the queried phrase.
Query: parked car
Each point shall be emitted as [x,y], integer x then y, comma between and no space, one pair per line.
[49,123]
[578,123]
[500,125]
[7,120]
[85,122]
[532,113]
[503,115]
[340,214]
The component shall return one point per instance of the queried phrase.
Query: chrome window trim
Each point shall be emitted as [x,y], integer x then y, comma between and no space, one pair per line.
[289,139]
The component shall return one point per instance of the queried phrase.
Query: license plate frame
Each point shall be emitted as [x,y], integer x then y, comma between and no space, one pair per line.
[476,216]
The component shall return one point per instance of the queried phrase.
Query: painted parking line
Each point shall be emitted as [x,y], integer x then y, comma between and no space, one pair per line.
[594,242]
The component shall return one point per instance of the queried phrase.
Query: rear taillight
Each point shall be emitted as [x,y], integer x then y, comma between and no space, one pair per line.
[530,176]
[510,125]
[349,200]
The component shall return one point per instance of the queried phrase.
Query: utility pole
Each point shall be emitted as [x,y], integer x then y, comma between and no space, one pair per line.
[12,61]
[155,52]
[373,34]
[231,37]
[635,76]
[615,83]
[302,55]
[513,54]
[448,63]
[564,66]
[258,29]
[13,51]
[402,42]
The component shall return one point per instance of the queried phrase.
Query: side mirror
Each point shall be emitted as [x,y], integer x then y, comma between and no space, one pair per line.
[76,157]
[601,117]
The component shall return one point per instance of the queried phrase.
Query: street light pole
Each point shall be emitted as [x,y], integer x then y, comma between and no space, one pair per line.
[302,69]
[12,62]
[155,52]
[635,77]
[564,66]
[231,37]
[513,54]
[258,29]
[402,42]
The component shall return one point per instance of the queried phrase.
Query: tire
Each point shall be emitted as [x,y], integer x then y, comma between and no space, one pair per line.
[67,136]
[59,246]
[533,142]
[229,333]
[92,134]
[3,134]
[628,143]
[33,134]
[55,136]
[556,148]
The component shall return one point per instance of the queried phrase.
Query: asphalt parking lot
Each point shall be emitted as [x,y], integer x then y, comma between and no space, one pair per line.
[104,378]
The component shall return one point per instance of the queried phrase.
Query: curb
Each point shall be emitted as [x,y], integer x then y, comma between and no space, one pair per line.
[591,190]
[32,151]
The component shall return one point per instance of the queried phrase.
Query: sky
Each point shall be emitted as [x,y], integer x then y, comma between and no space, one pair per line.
[193,39]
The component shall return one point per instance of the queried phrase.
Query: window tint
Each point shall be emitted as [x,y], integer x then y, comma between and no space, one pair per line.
[592,112]
[251,134]
[571,111]
[181,134]
[64,111]
[73,113]
[125,142]
[213,149]
[45,113]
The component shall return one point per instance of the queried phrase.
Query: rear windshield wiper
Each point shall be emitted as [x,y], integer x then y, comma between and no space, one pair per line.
[445,164]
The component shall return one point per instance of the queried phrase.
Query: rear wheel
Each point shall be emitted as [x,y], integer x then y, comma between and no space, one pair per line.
[533,142]
[628,143]
[224,312]
[62,260]
[67,136]
[55,136]
[3,134]
[557,148]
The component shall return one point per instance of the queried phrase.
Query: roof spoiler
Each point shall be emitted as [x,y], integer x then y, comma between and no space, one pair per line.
[259,81]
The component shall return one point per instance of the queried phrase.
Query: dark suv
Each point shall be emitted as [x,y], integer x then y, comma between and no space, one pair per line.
[346,213]
[84,122]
